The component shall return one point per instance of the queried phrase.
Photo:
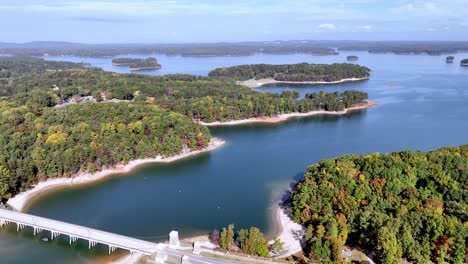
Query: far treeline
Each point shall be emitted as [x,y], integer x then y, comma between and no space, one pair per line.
[302,72]
[200,98]
[403,205]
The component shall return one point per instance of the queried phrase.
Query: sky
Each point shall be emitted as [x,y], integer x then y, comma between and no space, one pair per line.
[172,21]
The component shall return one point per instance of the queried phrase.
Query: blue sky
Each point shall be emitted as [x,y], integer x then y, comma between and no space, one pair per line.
[145,21]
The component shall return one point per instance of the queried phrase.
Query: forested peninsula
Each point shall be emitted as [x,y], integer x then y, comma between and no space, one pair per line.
[408,204]
[38,142]
[302,72]
[200,98]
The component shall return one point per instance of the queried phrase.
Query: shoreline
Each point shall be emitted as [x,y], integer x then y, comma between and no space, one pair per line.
[261,82]
[287,231]
[283,117]
[21,201]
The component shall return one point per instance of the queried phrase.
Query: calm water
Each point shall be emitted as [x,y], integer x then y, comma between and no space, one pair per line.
[423,104]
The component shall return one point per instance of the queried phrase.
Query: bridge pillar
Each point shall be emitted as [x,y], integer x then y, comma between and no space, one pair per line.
[111,249]
[91,244]
[174,242]
[37,230]
[54,234]
[19,226]
[3,222]
[72,239]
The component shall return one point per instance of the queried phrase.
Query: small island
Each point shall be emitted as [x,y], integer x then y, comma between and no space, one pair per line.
[256,75]
[449,59]
[135,64]
[464,62]
[352,58]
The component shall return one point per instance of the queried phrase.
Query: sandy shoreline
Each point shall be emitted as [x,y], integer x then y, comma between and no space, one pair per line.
[284,117]
[288,232]
[258,83]
[20,201]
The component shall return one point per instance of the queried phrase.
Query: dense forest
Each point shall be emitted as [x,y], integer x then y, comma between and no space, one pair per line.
[124,61]
[11,67]
[302,72]
[200,98]
[137,64]
[38,142]
[149,63]
[411,205]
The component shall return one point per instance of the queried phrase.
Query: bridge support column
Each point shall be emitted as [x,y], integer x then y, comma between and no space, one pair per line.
[91,244]
[111,249]
[19,226]
[174,242]
[3,223]
[54,234]
[37,230]
[72,239]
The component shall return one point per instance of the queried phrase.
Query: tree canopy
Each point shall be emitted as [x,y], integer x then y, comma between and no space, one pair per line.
[38,142]
[302,72]
[407,204]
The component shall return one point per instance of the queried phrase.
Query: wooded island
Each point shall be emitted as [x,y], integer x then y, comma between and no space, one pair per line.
[302,72]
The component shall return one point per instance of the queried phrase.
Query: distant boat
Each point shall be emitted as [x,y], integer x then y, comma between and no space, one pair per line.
[352,58]
[45,239]
[449,59]
[464,63]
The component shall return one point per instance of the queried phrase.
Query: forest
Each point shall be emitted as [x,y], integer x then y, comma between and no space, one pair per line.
[137,64]
[302,72]
[11,67]
[403,205]
[38,142]
[200,98]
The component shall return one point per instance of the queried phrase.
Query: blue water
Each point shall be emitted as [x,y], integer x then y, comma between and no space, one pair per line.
[422,106]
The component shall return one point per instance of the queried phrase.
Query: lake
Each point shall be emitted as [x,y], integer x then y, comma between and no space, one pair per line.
[423,105]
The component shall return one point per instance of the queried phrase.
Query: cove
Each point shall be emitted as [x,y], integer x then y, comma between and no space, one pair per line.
[422,106]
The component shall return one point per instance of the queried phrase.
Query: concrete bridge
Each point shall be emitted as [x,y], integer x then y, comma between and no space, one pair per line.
[74,232]
[160,252]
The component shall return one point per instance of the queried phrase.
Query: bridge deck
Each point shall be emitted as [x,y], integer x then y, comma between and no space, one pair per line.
[76,231]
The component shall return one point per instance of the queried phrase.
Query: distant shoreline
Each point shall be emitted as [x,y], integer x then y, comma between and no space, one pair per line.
[145,68]
[21,201]
[284,117]
[261,82]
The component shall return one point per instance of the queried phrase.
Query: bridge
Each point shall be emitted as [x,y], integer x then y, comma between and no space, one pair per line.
[75,232]
[160,251]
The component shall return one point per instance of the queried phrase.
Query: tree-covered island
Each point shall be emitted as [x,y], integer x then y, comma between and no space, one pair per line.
[302,72]
[464,62]
[135,64]
[449,59]
[403,205]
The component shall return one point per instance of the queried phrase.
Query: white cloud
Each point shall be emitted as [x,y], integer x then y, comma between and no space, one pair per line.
[327,26]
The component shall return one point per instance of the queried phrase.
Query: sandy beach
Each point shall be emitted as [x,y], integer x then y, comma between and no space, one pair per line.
[284,117]
[20,201]
[287,231]
[258,83]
